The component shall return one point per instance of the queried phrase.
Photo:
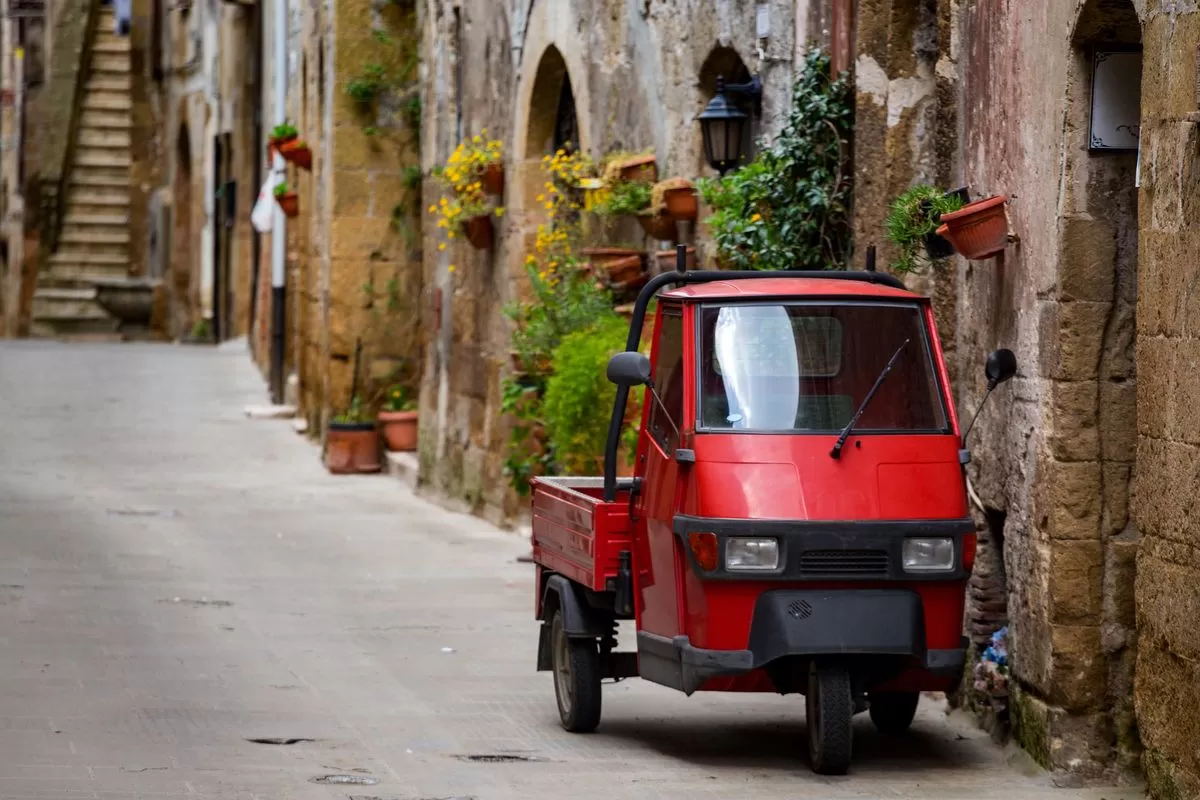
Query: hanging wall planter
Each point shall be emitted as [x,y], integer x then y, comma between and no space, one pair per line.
[478,231]
[298,153]
[594,193]
[978,230]
[289,202]
[493,179]
[667,260]
[640,169]
[658,226]
[678,198]
[617,264]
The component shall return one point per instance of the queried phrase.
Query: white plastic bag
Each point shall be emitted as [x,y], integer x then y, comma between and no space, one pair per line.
[263,213]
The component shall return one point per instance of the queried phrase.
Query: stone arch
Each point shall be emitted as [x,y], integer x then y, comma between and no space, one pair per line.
[553,51]
[552,97]
[722,62]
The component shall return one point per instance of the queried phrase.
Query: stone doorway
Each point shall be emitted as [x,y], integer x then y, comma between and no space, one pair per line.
[180,286]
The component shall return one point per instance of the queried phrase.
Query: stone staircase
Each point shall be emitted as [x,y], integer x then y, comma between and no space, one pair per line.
[94,246]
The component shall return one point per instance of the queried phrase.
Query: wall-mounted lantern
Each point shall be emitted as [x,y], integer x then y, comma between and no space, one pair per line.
[725,125]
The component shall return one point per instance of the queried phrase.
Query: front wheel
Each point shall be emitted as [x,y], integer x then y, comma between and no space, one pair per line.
[893,712]
[830,710]
[576,664]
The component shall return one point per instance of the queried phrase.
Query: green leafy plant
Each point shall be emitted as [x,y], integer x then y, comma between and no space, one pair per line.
[365,87]
[284,130]
[354,414]
[578,393]
[913,216]
[626,197]
[410,177]
[411,110]
[789,207]
[398,397]
[281,189]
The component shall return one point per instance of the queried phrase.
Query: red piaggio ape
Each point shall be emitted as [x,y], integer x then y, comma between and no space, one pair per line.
[797,520]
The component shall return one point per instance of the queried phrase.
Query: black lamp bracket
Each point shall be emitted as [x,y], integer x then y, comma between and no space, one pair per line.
[751,90]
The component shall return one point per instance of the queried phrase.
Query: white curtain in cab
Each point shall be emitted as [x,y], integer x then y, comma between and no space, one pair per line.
[756,353]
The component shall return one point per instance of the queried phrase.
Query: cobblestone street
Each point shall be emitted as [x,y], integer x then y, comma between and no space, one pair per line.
[177,580]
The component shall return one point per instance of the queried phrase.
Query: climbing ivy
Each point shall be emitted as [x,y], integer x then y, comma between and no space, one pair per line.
[790,207]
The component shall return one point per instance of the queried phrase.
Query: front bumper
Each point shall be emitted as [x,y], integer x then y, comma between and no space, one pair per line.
[861,624]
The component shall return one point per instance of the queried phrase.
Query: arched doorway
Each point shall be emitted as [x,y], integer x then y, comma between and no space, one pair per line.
[553,122]
[725,63]
[181,284]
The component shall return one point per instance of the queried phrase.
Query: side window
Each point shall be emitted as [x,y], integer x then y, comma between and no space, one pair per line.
[668,379]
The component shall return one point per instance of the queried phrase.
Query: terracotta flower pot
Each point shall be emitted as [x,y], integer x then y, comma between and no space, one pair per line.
[493,179]
[399,430]
[978,230]
[290,203]
[619,264]
[478,231]
[683,204]
[297,153]
[666,259]
[275,143]
[641,168]
[352,447]
[658,226]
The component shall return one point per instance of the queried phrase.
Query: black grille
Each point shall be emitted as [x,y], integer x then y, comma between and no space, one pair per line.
[844,562]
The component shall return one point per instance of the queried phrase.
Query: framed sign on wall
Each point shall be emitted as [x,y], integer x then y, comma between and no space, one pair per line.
[1116,98]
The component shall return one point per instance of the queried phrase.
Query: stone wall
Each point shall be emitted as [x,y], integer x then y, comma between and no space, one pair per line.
[639,73]
[1167,690]
[996,97]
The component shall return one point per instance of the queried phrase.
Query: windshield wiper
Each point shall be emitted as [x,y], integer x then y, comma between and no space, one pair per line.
[845,434]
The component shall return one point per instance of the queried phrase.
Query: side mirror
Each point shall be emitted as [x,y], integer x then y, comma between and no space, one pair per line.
[629,369]
[1001,366]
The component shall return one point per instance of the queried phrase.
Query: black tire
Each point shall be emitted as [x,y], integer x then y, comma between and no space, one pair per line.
[893,712]
[576,669]
[830,711]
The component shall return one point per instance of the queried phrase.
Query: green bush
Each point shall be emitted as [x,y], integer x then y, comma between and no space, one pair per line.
[790,207]
[579,397]
[627,197]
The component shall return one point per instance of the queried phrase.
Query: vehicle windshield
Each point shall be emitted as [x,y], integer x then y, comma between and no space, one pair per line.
[807,367]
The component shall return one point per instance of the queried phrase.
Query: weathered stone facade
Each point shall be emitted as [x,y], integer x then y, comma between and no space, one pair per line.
[638,74]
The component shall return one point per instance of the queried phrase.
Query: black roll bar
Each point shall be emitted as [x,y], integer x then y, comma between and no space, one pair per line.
[681,276]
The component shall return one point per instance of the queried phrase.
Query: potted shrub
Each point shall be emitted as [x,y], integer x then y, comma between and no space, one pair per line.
[398,419]
[978,230]
[912,224]
[352,442]
[678,197]
[288,200]
[297,152]
[281,133]
[634,167]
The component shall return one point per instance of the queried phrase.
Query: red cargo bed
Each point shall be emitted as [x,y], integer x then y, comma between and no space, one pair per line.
[576,533]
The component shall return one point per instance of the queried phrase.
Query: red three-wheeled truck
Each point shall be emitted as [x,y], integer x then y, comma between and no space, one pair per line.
[797,519]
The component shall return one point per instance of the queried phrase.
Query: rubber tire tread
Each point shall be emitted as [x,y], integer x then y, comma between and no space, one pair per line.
[584,656]
[831,685]
[893,712]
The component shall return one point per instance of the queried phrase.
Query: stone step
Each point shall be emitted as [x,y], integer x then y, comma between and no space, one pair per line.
[97,119]
[100,157]
[88,330]
[109,179]
[107,100]
[104,138]
[80,274]
[92,235]
[51,304]
[69,257]
[103,63]
[74,218]
[115,244]
[109,42]
[108,82]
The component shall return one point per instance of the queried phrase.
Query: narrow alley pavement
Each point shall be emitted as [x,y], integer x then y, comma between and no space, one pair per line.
[177,581]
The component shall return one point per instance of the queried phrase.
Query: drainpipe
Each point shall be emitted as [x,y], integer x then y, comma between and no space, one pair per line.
[279,225]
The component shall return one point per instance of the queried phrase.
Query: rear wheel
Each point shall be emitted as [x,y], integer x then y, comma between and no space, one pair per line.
[893,712]
[830,709]
[576,664]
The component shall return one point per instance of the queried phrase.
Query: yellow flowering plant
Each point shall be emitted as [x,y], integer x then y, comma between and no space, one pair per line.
[463,178]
